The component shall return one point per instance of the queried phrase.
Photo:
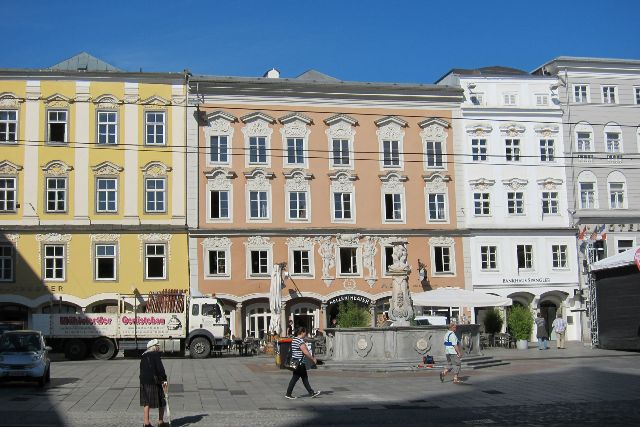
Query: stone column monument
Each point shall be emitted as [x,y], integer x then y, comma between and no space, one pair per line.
[401,305]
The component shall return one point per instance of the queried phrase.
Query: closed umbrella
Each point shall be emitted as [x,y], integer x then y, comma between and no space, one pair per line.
[275,299]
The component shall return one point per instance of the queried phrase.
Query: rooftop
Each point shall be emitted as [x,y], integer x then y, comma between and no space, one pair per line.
[84,62]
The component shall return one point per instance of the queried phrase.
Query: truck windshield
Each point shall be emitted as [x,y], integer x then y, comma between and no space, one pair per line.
[12,342]
[211,310]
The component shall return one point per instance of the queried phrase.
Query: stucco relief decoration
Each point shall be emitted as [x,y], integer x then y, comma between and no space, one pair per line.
[482,184]
[257,124]
[131,99]
[106,102]
[155,169]
[107,168]
[54,238]
[441,241]
[220,126]
[436,182]
[369,252]
[392,182]
[258,241]
[349,284]
[363,345]
[154,238]
[295,126]
[549,183]
[178,99]
[340,130]
[105,237]
[515,183]
[512,129]
[297,180]
[342,181]
[300,242]
[479,129]
[422,343]
[57,168]
[348,239]
[57,101]
[547,131]
[9,100]
[391,131]
[434,129]
[216,243]
[154,102]
[327,251]
[219,180]
[9,168]
[258,180]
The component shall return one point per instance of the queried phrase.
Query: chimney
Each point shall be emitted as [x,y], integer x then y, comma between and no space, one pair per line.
[272,74]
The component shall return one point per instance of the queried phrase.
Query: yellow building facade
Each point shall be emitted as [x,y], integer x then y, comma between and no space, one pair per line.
[92,177]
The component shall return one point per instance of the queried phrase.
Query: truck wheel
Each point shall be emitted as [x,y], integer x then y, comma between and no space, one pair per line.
[75,350]
[103,349]
[200,348]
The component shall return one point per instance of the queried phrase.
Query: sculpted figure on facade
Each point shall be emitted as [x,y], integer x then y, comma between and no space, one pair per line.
[369,253]
[327,253]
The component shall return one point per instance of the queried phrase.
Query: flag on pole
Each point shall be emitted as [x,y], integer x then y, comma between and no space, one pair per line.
[581,235]
[603,232]
[594,233]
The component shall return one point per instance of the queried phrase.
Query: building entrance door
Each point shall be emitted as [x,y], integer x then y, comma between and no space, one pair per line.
[548,311]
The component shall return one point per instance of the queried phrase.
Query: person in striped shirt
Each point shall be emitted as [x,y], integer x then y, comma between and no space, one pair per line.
[299,351]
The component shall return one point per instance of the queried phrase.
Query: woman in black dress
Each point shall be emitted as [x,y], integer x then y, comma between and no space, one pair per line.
[153,382]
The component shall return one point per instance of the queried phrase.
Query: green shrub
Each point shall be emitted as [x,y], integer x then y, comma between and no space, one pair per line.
[351,315]
[520,322]
[493,321]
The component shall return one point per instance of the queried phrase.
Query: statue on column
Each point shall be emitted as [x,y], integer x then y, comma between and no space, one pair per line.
[401,305]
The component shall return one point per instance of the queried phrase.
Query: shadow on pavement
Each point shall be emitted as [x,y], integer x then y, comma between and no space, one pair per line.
[187,421]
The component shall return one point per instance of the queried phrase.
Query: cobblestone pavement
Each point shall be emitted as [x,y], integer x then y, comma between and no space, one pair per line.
[576,387]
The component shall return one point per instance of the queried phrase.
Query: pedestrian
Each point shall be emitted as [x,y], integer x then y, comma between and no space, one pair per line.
[453,353]
[299,351]
[560,327]
[153,383]
[542,333]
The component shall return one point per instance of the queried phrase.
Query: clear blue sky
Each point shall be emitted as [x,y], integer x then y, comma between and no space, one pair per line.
[364,40]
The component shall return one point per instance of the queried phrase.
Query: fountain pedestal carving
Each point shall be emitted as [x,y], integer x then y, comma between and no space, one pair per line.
[401,305]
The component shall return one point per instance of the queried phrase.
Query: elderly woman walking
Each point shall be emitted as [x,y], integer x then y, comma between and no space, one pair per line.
[299,351]
[153,383]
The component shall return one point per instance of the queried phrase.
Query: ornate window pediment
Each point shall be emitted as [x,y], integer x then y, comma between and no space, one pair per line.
[348,239]
[434,128]
[259,242]
[258,179]
[390,120]
[107,168]
[441,241]
[9,168]
[479,129]
[297,180]
[547,130]
[58,100]
[342,181]
[338,118]
[221,115]
[57,168]
[436,182]
[515,183]
[258,116]
[512,129]
[296,117]
[392,182]
[300,242]
[9,100]
[107,101]
[390,128]
[155,101]
[216,243]
[155,169]
[549,183]
[219,179]
[482,183]
[220,123]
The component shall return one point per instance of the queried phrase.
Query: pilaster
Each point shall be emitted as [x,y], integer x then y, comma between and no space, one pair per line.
[81,153]
[134,138]
[31,171]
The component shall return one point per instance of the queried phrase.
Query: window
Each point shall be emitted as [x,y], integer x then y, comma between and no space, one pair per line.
[580,94]
[584,141]
[587,195]
[393,207]
[559,253]
[155,194]
[616,195]
[217,263]
[340,152]
[57,125]
[388,258]
[342,205]
[297,205]
[512,150]
[434,154]
[295,151]
[489,257]
[348,261]
[525,257]
[623,245]
[257,150]
[437,207]
[155,261]
[550,202]
[481,204]
[219,149]
[613,145]
[259,262]
[547,150]
[8,126]
[258,205]
[6,263]
[637,93]
[301,263]
[107,127]
[509,99]
[542,100]
[7,194]
[54,262]
[609,95]
[391,153]
[107,197]
[105,262]
[56,195]
[515,203]
[155,129]
[479,149]
[219,204]
[442,259]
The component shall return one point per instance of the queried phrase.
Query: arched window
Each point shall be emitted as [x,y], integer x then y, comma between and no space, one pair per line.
[587,190]
[617,190]
[583,135]
[613,142]
[258,319]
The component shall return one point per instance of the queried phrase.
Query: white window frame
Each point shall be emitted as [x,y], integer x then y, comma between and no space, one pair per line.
[261,200]
[227,264]
[542,99]
[54,194]
[7,262]
[445,210]
[148,256]
[358,263]
[582,98]
[383,259]
[61,258]
[297,151]
[515,200]
[512,144]
[613,146]
[391,130]
[580,142]
[55,121]
[352,207]
[548,202]
[210,201]
[490,253]
[483,200]
[401,211]
[509,99]
[482,149]
[163,192]
[258,145]
[431,154]
[559,252]
[219,152]
[111,128]
[623,193]
[307,216]
[156,125]
[7,124]
[349,156]
[267,263]
[97,258]
[106,191]
[292,257]
[594,191]
[305,244]
[4,192]
[451,256]
[547,150]
[531,257]
[608,95]
[391,159]
[259,181]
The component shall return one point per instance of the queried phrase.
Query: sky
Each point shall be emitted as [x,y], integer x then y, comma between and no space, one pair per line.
[400,41]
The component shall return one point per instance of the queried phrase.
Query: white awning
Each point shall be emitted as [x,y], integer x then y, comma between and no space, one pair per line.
[456,297]
[619,260]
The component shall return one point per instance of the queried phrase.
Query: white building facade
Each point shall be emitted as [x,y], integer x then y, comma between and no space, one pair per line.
[511,187]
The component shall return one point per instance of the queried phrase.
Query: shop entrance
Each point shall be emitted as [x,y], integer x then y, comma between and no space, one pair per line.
[548,311]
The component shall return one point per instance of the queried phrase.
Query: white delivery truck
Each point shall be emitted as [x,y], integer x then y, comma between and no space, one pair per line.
[178,321]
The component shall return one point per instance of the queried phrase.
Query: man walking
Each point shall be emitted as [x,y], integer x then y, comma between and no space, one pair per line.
[560,327]
[453,353]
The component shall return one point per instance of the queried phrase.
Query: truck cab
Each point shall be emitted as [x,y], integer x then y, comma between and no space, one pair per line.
[207,326]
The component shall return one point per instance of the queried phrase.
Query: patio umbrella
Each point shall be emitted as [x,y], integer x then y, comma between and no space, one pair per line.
[275,298]
[456,297]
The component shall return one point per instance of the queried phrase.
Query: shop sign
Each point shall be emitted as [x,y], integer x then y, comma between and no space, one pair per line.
[525,280]
[349,297]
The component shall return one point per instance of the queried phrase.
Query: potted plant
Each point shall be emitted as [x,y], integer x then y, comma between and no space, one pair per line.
[493,321]
[520,324]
